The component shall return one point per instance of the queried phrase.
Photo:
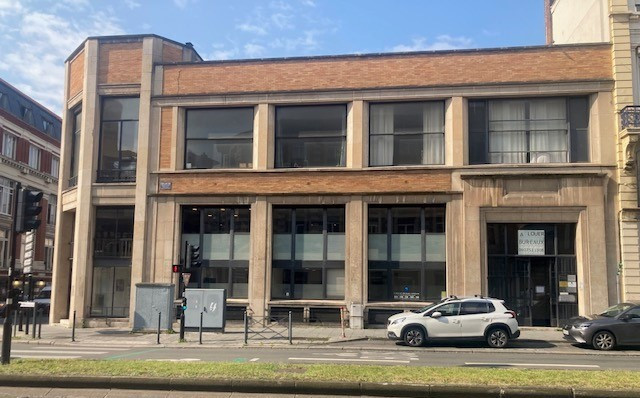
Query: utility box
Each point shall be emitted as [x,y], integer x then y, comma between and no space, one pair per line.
[211,303]
[151,299]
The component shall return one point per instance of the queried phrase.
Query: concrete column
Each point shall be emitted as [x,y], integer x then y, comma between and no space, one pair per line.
[61,278]
[356,135]
[263,132]
[456,126]
[141,256]
[455,241]
[595,276]
[472,270]
[82,270]
[259,265]
[355,267]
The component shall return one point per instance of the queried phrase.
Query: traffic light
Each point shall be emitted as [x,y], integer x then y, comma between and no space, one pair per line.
[193,257]
[176,268]
[28,210]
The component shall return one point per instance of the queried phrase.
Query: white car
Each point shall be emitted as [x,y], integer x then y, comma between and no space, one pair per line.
[456,318]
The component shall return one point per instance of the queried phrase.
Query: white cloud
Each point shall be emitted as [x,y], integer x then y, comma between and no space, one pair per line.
[280,5]
[253,50]
[181,3]
[306,42]
[132,4]
[309,3]
[251,28]
[442,42]
[282,21]
[10,7]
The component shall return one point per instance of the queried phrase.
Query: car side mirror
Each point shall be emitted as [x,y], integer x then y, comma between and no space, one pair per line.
[436,314]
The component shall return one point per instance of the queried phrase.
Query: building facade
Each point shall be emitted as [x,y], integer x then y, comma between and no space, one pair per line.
[372,182]
[616,22]
[29,155]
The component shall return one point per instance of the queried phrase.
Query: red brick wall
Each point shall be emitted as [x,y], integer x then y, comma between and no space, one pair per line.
[165,138]
[171,53]
[76,75]
[342,182]
[568,63]
[119,63]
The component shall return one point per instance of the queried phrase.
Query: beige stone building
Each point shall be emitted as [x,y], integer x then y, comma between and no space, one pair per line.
[616,22]
[372,182]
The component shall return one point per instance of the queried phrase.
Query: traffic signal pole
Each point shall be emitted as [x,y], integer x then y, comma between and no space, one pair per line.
[9,305]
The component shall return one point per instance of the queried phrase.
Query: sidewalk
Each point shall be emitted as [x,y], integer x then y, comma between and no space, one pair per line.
[234,336]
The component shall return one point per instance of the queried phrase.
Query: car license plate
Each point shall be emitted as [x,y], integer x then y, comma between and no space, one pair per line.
[565,332]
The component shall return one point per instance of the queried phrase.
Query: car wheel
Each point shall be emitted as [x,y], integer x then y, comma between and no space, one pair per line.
[497,338]
[603,340]
[414,336]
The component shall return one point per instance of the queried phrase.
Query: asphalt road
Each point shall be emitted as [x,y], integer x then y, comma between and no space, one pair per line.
[557,357]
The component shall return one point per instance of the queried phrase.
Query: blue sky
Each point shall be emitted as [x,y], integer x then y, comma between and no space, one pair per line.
[37,35]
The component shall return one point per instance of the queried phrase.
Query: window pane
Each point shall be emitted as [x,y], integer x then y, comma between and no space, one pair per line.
[407,149]
[473,307]
[477,132]
[216,246]
[102,291]
[579,124]
[241,246]
[311,121]
[122,291]
[242,220]
[436,247]
[220,123]
[282,221]
[566,238]
[434,219]
[120,108]
[377,247]
[310,152]
[215,278]
[381,152]
[435,281]
[405,220]
[377,220]
[309,221]
[129,145]
[190,220]
[406,247]
[309,247]
[217,221]
[282,246]
[335,219]
[406,284]
[378,282]
[240,282]
[212,154]
[280,283]
[335,283]
[109,144]
[308,284]
[451,309]
[335,246]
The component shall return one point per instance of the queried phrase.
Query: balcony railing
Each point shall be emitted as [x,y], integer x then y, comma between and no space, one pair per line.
[73,181]
[630,116]
[116,176]
[120,248]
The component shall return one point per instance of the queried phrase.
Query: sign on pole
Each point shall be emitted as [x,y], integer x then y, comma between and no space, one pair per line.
[185,278]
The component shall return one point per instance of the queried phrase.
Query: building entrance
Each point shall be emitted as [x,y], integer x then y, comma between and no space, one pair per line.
[533,268]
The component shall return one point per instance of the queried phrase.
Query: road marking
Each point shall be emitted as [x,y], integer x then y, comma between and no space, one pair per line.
[349,360]
[47,356]
[130,354]
[253,359]
[58,352]
[546,365]
[174,360]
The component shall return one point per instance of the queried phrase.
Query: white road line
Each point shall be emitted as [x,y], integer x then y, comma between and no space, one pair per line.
[75,348]
[253,359]
[348,360]
[58,352]
[46,356]
[546,365]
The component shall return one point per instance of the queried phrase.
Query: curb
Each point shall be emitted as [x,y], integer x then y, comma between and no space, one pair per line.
[306,387]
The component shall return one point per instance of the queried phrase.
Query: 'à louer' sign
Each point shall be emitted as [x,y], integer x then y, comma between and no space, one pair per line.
[531,242]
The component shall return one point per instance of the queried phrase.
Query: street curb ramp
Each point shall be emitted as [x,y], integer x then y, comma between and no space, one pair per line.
[305,387]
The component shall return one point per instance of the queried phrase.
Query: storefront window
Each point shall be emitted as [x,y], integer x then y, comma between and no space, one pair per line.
[407,253]
[222,233]
[308,253]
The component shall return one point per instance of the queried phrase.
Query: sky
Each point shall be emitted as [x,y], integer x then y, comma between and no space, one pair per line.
[36,36]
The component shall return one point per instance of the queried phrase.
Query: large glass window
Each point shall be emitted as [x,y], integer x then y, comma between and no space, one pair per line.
[544,130]
[311,136]
[75,148]
[6,195]
[112,262]
[308,253]
[118,140]
[222,233]
[410,133]
[219,138]
[9,145]
[52,207]
[407,260]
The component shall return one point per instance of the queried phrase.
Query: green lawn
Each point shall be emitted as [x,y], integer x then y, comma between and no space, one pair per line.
[345,373]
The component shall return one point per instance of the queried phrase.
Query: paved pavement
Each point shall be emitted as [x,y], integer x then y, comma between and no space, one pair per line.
[14,392]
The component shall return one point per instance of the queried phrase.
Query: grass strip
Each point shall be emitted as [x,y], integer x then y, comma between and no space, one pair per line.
[592,379]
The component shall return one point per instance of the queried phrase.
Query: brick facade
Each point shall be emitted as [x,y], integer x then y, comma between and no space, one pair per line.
[165,138]
[119,63]
[76,75]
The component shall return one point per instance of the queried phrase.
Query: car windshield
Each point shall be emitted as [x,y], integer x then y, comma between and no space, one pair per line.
[423,309]
[616,310]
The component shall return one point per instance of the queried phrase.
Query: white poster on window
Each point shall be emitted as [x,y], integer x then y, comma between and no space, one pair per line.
[530,242]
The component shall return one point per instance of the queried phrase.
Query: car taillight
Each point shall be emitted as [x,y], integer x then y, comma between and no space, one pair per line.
[512,313]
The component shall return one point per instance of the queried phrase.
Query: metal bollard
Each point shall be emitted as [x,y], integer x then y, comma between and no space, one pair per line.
[182,325]
[26,322]
[246,327]
[290,330]
[40,324]
[200,328]
[35,321]
[73,327]
[159,319]
[15,323]
[20,319]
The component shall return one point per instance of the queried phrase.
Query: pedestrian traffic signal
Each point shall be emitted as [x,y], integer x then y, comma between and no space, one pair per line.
[29,208]
[184,304]
[176,268]
[193,256]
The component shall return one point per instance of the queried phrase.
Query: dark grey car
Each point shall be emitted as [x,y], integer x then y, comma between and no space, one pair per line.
[618,325]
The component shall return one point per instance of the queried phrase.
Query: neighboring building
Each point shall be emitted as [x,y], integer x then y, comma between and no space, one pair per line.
[373,182]
[618,22]
[29,154]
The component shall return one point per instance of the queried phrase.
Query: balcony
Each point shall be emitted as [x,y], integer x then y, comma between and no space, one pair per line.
[113,248]
[630,117]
